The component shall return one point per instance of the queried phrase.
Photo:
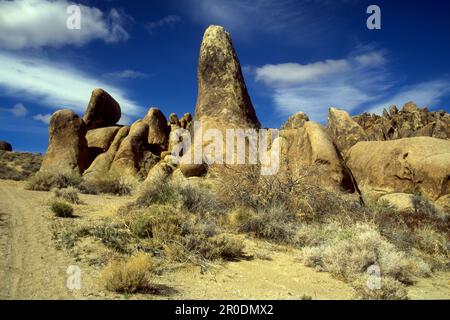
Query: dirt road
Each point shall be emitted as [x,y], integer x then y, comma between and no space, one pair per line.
[30,268]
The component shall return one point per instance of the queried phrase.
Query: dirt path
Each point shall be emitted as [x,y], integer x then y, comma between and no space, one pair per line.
[31,267]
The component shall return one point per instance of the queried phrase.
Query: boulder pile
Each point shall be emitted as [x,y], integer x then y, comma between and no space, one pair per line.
[397,153]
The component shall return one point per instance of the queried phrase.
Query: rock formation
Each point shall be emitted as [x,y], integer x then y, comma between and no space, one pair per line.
[420,164]
[344,131]
[222,97]
[102,164]
[296,121]
[99,140]
[5,146]
[102,110]
[68,149]
[411,121]
[158,131]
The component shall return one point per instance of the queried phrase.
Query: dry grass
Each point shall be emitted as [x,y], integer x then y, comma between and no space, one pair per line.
[69,194]
[109,183]
[130,276]
[45,181]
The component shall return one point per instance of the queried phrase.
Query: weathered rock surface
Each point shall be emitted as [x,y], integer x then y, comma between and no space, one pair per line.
[134,156]
[5,146]
[222,94]
[311,145]
[411,121]
[102,110]
[419,164]
[67,151]
[158,131]
[296,121]
[102,163]
[344,131]
[99,140]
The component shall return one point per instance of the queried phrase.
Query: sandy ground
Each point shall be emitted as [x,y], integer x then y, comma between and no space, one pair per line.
[32,268]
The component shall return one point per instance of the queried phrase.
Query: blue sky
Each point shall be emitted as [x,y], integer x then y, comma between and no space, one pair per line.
[297,55]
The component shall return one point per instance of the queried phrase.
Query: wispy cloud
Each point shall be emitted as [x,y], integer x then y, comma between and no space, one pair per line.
[298,20]
[45,118]
[168,21]
[18,110]
[126,74]
[42,23]
[428,93]
[313,88]
[55,85]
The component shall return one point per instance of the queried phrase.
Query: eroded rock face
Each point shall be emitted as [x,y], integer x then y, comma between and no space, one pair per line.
[67,151]
[158,131]
[5,146]
[222,93]
[296,121]
[102,163]
[419,164]
[411,121]
[102,110]
[344,131]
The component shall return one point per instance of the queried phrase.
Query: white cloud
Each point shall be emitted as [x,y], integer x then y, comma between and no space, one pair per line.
[18,110]
[427,93]
[170,21]
[313,88]
[40,23]
[126,74]
[54,85]
[286,74]
[45,118]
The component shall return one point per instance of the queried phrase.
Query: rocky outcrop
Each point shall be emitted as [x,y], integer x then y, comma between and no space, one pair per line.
[399,201]
[312,146]
[419,164]
[102,110]
[296,121]
[99,140]
[344,131]
[102,163]
[411,121]
[134,156]
[222,94]
[67,151]
[193,170]
[5,146]
[158,131]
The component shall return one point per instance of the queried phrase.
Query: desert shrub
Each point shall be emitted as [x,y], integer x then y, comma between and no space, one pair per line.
[192,198]
[110,183]
[183,236]
[349,251]
[66,234]
[274,223]
[61,209]
[390,289]
[69,194]
[131,276]
[18,165]
[45,181]
[113,235]
[161,192]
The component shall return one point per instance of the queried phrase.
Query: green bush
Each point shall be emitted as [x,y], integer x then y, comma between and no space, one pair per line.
[109,183]
[61,209]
